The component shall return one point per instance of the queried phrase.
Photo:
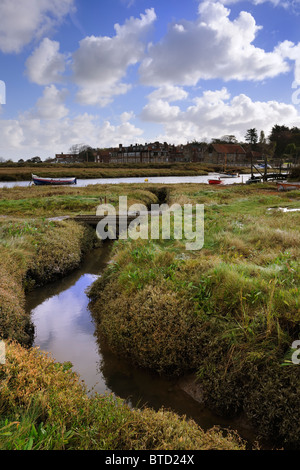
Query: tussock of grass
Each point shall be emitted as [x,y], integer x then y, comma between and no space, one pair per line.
[230,311]
[33,253]
[47,408]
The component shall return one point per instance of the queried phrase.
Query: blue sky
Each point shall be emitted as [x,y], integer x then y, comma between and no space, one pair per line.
[104,72]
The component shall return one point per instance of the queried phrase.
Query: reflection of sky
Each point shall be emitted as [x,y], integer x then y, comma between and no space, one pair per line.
[63,326]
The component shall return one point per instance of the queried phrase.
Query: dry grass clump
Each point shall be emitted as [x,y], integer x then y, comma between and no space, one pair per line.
[156,331]
[177,434]
[48,409]
[230,310]
[59,251]
[33,253]
[13,321]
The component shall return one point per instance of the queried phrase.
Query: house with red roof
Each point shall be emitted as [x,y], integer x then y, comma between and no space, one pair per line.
[225,154]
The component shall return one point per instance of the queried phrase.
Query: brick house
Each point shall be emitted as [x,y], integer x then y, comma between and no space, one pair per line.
[225,154]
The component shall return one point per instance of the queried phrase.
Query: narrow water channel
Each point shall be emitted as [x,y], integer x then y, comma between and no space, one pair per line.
[65,329]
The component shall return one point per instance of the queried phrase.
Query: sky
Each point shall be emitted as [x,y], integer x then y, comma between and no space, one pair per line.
[105,72]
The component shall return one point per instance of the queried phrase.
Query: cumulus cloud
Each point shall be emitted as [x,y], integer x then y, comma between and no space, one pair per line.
[158,107]
[169,93]
[213,46]
[215,113]
[25,138]
[46,64]
[49,128]
[51,105]
[281,3]
[291,51]
[100,64]
[25,20]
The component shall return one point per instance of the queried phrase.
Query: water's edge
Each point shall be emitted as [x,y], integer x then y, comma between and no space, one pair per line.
[65,329]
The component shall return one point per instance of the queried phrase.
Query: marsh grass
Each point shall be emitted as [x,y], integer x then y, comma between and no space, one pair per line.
[47,408]
[54,202]
[230,311]
[34,252]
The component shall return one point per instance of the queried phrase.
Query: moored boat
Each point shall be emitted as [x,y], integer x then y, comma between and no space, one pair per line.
[230,175]
[38,180]
[254,179]
[285,186]
[219,181]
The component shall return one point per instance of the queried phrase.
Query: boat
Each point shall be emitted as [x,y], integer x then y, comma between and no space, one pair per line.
[229,174]
[254,179]
[285,186]
[38,180]
[219,181]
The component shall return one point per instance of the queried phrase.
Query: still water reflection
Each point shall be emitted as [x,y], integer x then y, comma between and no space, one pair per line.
[64,328]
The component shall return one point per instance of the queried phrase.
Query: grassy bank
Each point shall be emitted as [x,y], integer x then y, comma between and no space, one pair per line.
[54,202]
[57,201]
[43,404]
[34,253]
[229,312]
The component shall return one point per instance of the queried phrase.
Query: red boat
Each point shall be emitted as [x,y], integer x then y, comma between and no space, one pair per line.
[215,181]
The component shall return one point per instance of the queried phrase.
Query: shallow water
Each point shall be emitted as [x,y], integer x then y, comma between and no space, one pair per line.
[65,329]
[145,180]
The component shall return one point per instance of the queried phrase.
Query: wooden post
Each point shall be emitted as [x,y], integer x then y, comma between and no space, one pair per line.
[265,178]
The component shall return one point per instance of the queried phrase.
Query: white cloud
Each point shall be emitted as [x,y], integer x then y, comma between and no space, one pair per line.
[213,46]
[25,138]
[111,135]
[158,107]
[281,3]
[169,93]
[49,128]
[100,64]
[25,20]
[215,114]
[51,105]
[46,63]
[291,51]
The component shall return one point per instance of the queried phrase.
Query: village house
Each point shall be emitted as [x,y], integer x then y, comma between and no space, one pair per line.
[215,153]
[225,154]
[138,153]
[65,158]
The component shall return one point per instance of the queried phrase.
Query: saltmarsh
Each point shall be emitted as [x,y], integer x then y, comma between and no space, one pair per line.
[43,404]
[229,312]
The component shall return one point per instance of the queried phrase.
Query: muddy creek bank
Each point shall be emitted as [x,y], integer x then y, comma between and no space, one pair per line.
[63,327]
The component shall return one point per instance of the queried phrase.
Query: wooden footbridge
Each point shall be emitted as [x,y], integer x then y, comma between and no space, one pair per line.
[93,220]
[264,175]
[119,219]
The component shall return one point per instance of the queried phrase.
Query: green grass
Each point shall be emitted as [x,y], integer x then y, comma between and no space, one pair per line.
[43,404]
[229,312]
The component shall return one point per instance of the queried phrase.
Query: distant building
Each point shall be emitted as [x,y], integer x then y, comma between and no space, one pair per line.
[66,158]
[157,152]
[225,154]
